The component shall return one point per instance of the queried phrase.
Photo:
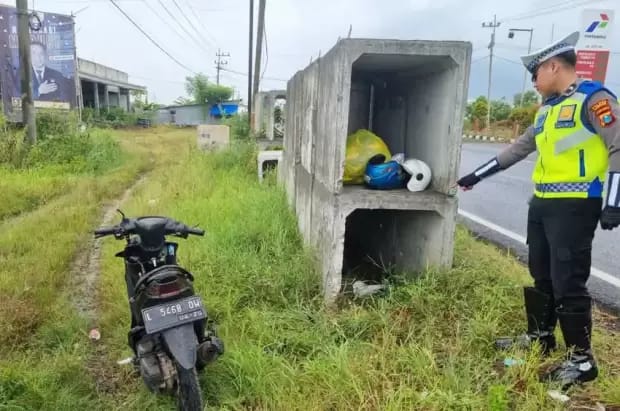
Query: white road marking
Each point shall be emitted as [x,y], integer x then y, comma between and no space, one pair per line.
[601,275]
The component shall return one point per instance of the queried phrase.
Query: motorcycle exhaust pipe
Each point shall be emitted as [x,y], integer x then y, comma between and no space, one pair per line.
[209,350]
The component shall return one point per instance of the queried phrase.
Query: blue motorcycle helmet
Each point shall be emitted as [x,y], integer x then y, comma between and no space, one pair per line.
[381,175]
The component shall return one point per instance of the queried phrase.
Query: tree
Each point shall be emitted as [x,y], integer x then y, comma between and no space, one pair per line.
[182,101]
[524,116]
[476,111]
[139,102]
[529,98]
[500,110]
[202,91]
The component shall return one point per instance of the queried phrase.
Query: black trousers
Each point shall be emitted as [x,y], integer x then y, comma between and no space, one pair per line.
[559,236]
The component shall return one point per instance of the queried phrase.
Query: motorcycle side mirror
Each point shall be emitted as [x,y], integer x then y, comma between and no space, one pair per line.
[124,218]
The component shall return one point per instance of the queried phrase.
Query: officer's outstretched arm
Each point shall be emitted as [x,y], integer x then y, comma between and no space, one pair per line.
[523,146]
[604,114]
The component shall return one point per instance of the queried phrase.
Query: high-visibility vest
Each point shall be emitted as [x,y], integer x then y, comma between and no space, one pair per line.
[572,158]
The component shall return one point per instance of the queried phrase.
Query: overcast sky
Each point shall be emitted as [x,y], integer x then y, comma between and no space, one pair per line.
[298,30]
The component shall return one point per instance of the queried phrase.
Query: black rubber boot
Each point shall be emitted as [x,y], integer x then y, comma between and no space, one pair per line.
[580,366]
[541,321]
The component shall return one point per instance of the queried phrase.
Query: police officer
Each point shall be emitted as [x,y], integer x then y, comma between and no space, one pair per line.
[576,132]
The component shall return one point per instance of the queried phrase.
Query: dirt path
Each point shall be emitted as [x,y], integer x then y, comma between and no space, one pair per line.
[86,266]
[85,270]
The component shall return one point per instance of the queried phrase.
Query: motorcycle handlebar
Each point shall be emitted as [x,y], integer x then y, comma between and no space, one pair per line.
[100,232]
[127,227]
[195,231]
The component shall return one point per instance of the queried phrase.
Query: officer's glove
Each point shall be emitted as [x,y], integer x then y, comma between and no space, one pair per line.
[489,168]
[610,218]
[468,181]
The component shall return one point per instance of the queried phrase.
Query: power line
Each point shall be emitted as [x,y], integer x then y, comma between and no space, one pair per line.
[190,22]
[266,51]
[549,9]
[479,59]
[166,22]
[537,10]
[157,79]
[191,8]
[173,17]
[246,74]
[150,38]
[508,60]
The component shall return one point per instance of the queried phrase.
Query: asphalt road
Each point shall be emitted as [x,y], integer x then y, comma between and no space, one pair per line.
[497,209]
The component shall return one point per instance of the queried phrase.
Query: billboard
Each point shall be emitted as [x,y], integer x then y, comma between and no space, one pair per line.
[594,41]
[54,68]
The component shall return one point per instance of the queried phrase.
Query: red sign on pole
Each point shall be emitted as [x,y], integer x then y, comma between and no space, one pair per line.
[592,64]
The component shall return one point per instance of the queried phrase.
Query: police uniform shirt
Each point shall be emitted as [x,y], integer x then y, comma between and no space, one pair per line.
[603,114]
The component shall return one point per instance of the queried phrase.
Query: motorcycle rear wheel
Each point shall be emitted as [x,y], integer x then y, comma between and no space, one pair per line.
[189,394]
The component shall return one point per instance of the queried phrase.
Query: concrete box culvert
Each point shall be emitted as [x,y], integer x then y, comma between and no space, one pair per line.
[410,93]
[264,112]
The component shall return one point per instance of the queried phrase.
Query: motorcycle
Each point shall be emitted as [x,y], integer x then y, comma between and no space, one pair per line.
[169,336]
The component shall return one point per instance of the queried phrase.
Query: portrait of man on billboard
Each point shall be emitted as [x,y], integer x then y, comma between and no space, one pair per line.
[47,84]
[53,61]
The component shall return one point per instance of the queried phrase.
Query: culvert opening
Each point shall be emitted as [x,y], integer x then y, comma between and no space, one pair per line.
[269,166]
[381,242]
[278,117]
[402,99]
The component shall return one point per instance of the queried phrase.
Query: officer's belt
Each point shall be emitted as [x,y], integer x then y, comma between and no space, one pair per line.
[563,187]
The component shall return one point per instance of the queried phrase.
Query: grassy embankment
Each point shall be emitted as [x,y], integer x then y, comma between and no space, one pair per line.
[426,345]
[50,203]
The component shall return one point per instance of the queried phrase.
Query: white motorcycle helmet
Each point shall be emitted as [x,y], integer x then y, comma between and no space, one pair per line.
[420,174]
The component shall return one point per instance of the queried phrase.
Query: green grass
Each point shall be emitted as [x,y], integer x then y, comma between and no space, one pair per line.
[25,190]
[54,167]
[426,345]
[43,364]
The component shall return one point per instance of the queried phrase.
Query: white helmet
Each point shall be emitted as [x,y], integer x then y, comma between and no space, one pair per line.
[420,174]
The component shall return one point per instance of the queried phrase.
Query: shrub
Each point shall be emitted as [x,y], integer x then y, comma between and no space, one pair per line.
[239,126]
[94,152]
[112,117]
[523,115]
[52,123]
[12,147]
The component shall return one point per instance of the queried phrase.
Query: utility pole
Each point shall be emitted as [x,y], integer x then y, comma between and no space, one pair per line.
[492,25]
[25,63]
[259,44]
[219,63]
[529,50]
[250,62]
[552,30]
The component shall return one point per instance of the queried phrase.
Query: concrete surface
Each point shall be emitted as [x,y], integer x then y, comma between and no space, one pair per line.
[411,93]
[502,200]
[264,104]
[213,137]
[266,157]
[259,111]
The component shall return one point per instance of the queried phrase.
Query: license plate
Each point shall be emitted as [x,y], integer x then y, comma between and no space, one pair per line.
[171,314]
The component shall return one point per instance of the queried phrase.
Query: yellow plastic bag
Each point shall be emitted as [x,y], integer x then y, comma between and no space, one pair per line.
[361,147]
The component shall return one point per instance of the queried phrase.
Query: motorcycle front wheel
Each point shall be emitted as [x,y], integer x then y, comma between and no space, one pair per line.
[189,395]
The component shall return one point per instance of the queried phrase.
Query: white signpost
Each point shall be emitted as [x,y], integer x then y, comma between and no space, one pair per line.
[594,41]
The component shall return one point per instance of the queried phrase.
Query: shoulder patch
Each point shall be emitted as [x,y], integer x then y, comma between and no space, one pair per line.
[607,119]
[600,106]
[602,110]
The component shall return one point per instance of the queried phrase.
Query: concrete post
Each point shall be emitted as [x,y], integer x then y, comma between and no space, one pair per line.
[96,88]
[106,96]
[259,112]
[415,94]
